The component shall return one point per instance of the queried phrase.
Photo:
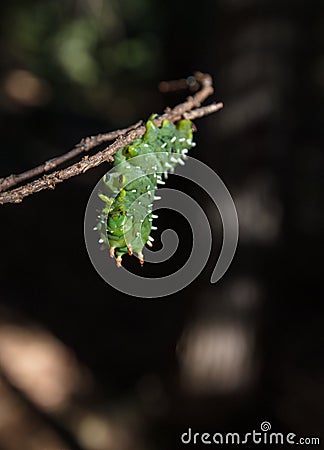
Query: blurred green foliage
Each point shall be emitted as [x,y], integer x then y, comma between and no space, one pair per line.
[85,50]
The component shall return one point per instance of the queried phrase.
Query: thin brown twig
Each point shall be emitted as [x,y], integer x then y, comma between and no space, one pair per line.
[84,145]
[88,143]
[87,162]
[185,109]
[203,111]
[195,101]
[177,85]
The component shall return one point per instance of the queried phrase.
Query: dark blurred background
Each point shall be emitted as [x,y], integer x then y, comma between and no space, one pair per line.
[84,367]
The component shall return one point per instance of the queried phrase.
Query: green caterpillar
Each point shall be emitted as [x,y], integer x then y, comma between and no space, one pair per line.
[125,222]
